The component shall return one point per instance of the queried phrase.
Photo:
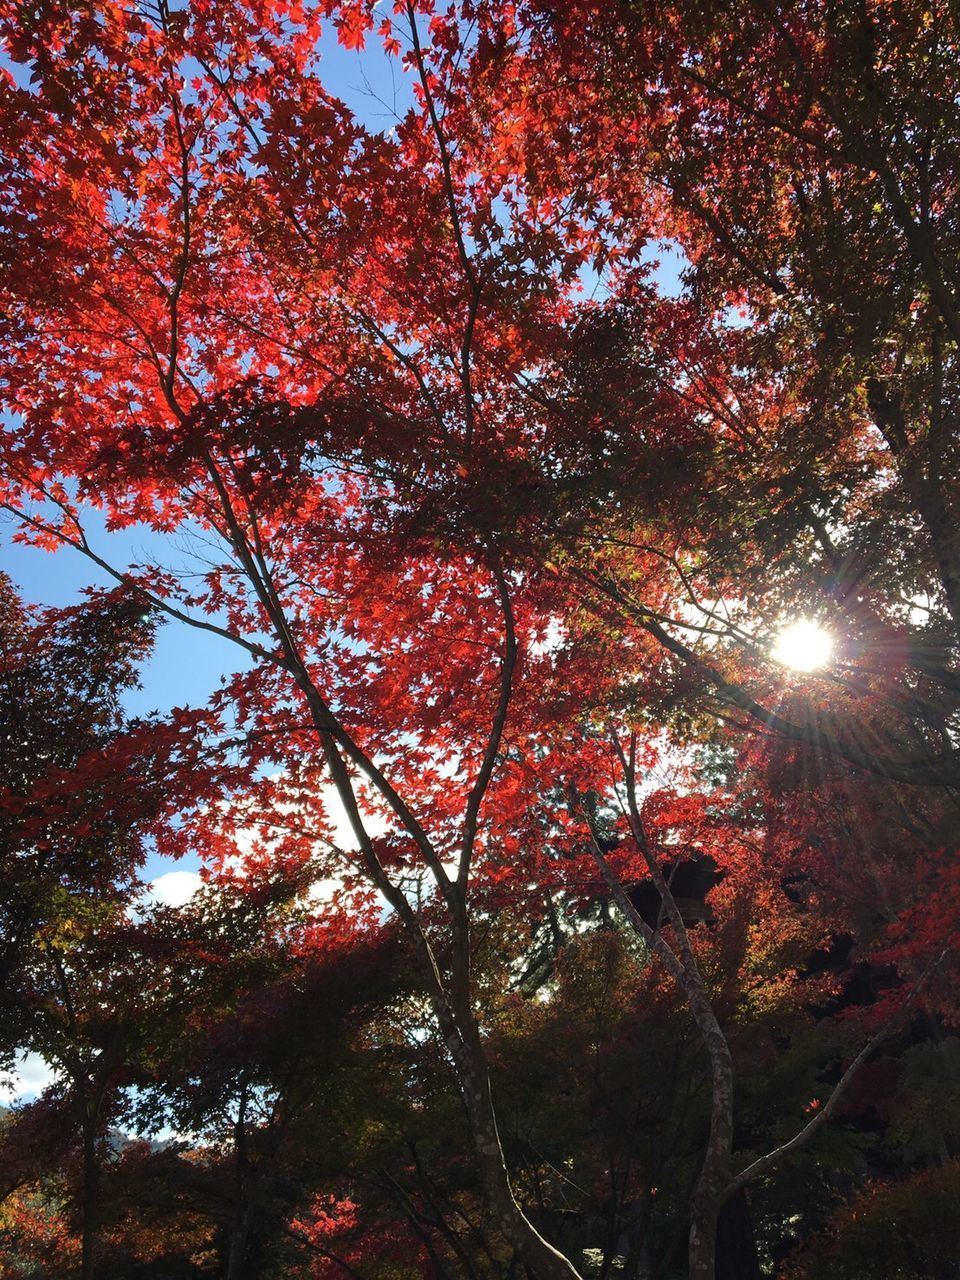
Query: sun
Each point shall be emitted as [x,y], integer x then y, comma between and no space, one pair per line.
[803,646]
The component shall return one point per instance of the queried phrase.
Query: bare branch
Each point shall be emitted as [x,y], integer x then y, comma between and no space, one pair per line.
[479,788]
[824,1113]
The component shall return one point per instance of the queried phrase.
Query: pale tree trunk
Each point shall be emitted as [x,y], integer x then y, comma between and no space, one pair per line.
[681,964]
[702,1244]
[716,1184]
[462,1037]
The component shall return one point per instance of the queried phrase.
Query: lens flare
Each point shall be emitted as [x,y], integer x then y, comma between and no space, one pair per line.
[803,646]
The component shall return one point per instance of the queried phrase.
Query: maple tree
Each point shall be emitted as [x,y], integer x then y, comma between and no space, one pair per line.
[503,529]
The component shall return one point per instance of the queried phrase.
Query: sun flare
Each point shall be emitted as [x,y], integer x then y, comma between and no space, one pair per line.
[803,646]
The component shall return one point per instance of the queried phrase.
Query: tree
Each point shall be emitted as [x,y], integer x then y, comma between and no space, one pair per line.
[83,792]
[490,542]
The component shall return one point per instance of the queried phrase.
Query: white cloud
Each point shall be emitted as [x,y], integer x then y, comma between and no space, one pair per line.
[174,888]
[30,1076]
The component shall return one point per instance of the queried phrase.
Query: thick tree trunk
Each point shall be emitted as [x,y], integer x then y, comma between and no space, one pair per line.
[702,1243]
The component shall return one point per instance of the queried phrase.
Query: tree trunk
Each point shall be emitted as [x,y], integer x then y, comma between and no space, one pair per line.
[238,1245]
[702,1245]
[452,1002]
[540,1257]
[89,1200]
[682,966]
[240,1227]
[736,1247]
